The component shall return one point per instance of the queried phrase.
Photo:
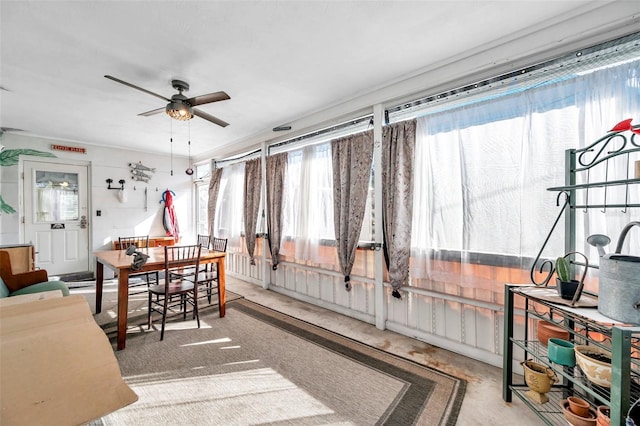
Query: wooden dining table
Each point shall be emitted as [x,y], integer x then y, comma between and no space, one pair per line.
[120,263]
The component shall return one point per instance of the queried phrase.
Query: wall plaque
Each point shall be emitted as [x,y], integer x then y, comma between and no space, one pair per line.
[69,148]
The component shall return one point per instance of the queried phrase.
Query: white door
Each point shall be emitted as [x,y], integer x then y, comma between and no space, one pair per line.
[56,215]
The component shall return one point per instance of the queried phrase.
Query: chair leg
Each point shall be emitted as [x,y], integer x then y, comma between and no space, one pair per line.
[149,312]
[164,317]
[195,308]
[183,304]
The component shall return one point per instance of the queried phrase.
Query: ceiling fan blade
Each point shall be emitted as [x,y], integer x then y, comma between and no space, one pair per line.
[153,112]
[117,80]
[210,118]
[207,99]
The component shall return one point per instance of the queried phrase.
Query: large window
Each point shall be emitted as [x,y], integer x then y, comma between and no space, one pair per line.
[483,169]
[308,203]
[483,166]
[229,219]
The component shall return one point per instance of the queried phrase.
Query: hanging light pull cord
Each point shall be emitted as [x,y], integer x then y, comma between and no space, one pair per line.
[189,170]
[171,141]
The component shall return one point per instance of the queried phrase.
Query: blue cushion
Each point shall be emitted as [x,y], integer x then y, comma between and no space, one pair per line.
[4,291]
[46,286]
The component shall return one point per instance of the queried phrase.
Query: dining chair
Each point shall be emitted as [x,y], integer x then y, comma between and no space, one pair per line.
[208,277]
[139,242]
[202,240]
[175,293]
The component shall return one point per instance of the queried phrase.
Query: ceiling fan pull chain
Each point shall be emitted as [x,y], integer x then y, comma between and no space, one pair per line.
[171,144]
[189,171]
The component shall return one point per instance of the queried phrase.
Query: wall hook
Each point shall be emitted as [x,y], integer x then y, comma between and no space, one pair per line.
[121,182]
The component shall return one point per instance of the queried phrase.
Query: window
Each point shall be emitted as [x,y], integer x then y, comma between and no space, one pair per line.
[483,169]
[203,171]
[229,218]
[56,196]
[308,202]
[202,199]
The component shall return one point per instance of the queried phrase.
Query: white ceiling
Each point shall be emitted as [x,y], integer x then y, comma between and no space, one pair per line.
[299,63]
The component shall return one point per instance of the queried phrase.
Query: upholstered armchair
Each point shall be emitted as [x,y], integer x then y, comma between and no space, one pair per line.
[25,282]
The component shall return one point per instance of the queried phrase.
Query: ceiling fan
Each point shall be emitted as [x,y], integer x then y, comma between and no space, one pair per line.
[180,107]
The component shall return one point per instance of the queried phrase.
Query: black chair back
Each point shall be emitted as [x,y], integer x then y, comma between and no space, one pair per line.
[139,242]
[204,241]
[177,258]
[219,244]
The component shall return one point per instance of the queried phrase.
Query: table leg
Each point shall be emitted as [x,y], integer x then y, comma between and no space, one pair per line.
[123,306]
[222,293]
[99,283]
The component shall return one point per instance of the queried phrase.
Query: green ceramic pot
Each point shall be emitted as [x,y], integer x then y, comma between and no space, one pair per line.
[561,352]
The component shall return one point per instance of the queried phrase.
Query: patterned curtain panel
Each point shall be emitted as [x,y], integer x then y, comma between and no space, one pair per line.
[252,187]
[214,188]
[398,147]
[351,158]
[276,170]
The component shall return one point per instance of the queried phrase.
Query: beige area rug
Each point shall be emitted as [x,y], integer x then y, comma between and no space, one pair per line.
[257,366]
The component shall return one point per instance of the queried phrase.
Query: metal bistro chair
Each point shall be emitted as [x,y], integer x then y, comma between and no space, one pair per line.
[208,277]
[162,297]
[140,243]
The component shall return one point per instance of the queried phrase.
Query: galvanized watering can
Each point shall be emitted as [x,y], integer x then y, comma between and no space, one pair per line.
[619,290]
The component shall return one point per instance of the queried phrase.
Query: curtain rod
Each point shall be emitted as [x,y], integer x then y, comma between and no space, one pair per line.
[320,132]
[577,56]
[326,130]
[239,157]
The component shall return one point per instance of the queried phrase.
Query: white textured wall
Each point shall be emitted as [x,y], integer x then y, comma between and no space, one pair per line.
[117,219]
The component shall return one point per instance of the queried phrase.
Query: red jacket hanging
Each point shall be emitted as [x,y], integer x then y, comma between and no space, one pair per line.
[169,219]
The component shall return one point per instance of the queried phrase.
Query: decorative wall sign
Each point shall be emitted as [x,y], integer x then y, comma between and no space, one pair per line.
[69,149]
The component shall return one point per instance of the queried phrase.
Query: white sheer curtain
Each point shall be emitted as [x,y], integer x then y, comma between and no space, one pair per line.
[482,173]
[607,97]
[228,221]
[308,205]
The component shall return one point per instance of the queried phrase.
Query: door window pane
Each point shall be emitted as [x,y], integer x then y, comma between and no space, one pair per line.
[56,196]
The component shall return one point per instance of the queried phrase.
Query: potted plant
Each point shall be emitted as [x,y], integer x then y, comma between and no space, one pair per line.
[569,288]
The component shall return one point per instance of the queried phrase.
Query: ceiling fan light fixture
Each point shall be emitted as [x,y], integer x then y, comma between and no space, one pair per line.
[179,111]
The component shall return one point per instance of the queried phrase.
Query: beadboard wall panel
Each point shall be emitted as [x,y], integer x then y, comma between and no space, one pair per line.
[467,321]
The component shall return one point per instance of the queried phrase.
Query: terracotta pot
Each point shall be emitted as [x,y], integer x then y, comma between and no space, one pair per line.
[603,416]
[574,419]
[595,363]
[547,330]
[578,406]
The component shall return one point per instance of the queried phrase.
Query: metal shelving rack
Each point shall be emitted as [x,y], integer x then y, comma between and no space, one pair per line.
[623,341]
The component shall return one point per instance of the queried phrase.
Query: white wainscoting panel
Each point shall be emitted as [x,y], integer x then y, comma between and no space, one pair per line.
[462,324]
